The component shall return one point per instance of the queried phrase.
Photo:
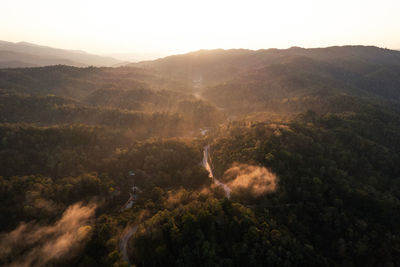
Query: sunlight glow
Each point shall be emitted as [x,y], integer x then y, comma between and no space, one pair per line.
[177,26]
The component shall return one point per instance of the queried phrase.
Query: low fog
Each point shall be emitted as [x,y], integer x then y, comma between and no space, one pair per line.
[37,245]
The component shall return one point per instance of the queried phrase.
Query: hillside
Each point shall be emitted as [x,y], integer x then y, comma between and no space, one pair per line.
[212,158]
[209,63]
[114,97]
[28,55]
[291,80]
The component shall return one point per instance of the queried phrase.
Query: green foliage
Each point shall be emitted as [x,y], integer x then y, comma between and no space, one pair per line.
[338,181]
[73,134]
[40,198]
[57,151]
[168,163]
[212,233]
[52,110]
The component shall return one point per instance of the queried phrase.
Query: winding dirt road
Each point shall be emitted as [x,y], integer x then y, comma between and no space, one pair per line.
[207,166]
[128,232]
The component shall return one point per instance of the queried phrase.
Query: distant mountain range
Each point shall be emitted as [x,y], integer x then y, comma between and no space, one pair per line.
[23,54]
[135,57]
[218,64]
[281,80]
[238,81]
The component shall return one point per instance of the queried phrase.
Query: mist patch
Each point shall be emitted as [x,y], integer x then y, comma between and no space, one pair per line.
[38,245]
[258,180]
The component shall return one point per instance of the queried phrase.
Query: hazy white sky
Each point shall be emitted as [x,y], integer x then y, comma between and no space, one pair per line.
[176,26]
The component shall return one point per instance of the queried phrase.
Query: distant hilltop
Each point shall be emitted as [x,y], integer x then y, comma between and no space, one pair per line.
[23,54]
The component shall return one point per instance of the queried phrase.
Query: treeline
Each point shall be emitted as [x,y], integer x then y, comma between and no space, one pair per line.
[186,117]
[195,112]
[80,82]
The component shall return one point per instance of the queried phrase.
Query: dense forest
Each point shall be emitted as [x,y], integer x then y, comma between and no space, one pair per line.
[124,166]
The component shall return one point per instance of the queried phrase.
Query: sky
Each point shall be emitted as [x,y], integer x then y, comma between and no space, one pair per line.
[179,26]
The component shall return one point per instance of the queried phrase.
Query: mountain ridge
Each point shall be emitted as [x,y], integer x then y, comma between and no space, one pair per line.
[39,55]
[289,80]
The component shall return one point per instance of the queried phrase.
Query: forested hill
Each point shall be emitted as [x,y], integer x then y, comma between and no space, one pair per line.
[114,97]
[227,63]
[291,80]
[241,82]
[109,163]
